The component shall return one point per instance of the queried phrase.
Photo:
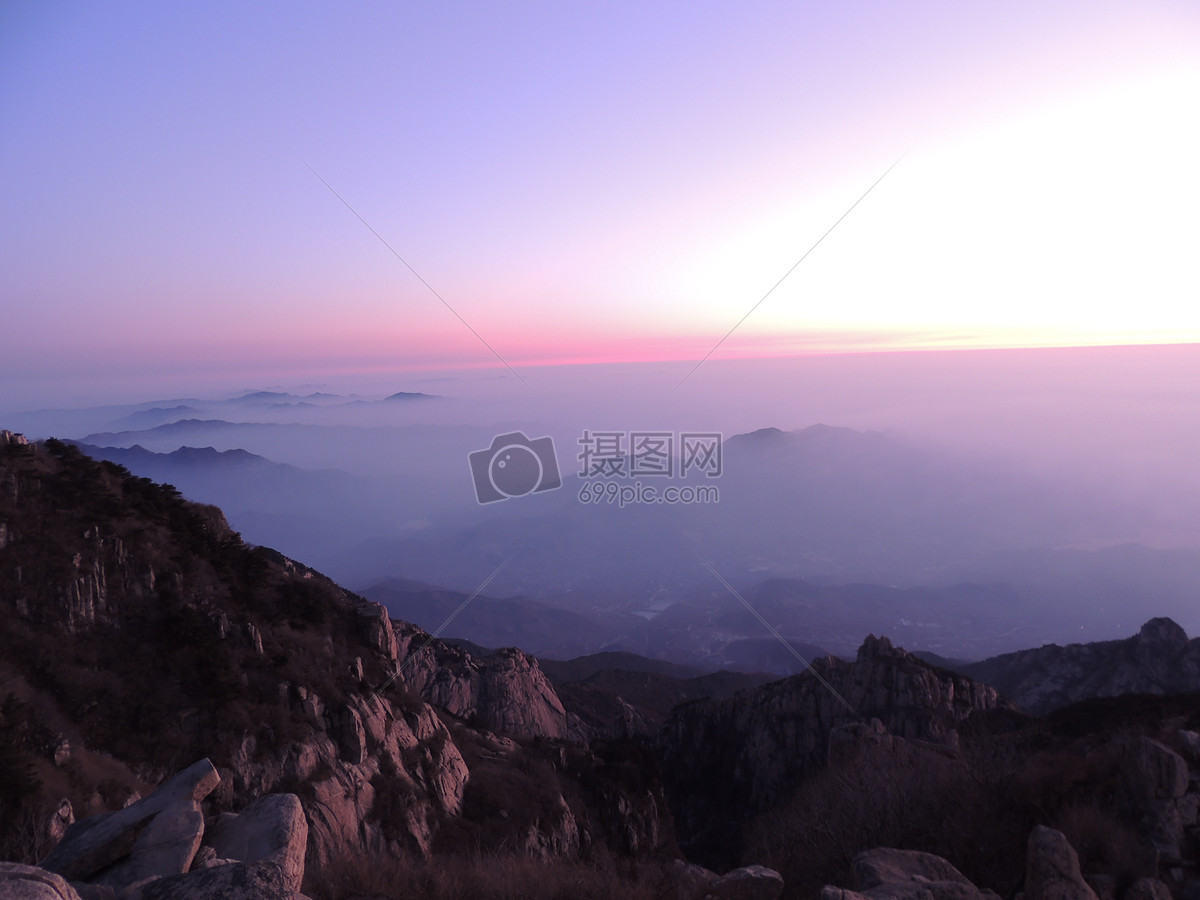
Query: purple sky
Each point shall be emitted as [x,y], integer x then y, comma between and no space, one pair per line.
[585,182]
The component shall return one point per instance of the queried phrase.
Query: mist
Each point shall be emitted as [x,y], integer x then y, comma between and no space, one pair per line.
[927,474]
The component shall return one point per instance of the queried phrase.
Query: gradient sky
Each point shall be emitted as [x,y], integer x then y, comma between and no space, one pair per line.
[587,181]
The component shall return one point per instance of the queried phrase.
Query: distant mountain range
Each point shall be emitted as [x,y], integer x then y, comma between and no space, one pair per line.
[1159,659]
[831,503]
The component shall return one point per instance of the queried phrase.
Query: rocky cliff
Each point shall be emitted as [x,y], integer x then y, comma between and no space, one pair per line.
[138,632]
[725,759]
[1159,659]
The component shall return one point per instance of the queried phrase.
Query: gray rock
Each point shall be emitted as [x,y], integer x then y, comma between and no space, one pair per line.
[238,881]
[747,883]
[165,847]
[1052,868]
[9,437]
[254,637]
[273,829]
[97,891]
[62,819]
[352,737]
[690,880]
[377,626]
[18,882]
[1191,744]
[99,842]
[507,692]
[1148,889]
[887,866]
[833,892]
[1154,771]
[888,874]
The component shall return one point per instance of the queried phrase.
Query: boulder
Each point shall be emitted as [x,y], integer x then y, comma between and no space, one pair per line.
[1191,744]
[18,882]
[833,892]
[747,883]
[1148,889]
[272,829]
[62,819]
[690,880]
[888,874]
[1052,868]
[887,866]
[1154,771]
[131,843]
[166,846]
[238,881]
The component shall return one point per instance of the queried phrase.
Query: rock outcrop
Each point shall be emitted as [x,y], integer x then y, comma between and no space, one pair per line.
[743,753]
[292,684]
[272,829]
[888,874]
[156,836]
[1159,659]
[1052,868]
[1052,873]
[233,881]
[747,883]
[18,882]
[692,882]
[505,692]
[364,756]
[152,848]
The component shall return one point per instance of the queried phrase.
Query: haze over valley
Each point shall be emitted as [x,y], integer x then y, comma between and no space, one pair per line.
[983,527]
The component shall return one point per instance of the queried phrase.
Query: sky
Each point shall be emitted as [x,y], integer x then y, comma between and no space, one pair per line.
[194,191]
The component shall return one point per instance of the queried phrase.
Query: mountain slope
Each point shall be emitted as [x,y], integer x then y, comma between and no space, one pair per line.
[138,633]
[760,743]
[1159,659]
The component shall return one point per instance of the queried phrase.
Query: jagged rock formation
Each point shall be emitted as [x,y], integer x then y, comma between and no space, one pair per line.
[741,753]
[161,847]
[156,836]
[505,691]
[1159,659]
[184,642]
